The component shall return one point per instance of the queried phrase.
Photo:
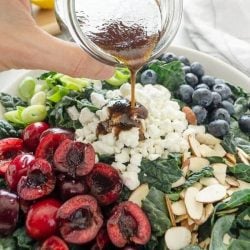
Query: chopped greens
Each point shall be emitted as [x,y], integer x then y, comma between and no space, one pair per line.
[241,171]
[7,130]
[11,102]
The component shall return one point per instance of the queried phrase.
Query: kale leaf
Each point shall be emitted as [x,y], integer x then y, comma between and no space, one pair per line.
[7,243]
[23,240]
[7,130]
[160,173]
[241,171]
[11,102]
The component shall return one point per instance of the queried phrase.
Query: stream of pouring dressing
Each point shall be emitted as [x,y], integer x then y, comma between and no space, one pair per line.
[129,30]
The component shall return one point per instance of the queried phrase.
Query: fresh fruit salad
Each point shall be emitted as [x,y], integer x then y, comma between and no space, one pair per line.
[81,169]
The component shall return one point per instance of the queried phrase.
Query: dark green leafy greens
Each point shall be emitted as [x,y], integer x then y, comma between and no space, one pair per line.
[241,171]
[7,130]
[170,75]
[2,183]
[11,102]
[23,240]
[7,243]
[160,173]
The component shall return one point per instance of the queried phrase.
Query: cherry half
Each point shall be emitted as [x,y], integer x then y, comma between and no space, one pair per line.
[105,183]
[74,158]
[128,224]
[9,149]
[79,219]
[40,181]
[17,168]
[50,140]
[9,212]
[31,134]
[41,219]
[54,243]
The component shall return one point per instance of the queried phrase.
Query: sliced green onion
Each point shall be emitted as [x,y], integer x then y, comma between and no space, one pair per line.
[76,84]
[57,93]
[26,88]
[34,113]
[120,77]
[38,98]
[14,116]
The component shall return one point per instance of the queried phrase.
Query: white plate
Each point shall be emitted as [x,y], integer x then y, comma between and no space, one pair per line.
[10,80]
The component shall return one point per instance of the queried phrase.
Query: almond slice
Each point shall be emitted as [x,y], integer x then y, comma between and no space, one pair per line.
[194,238]
[197,185]
[186,155]
[206,151]
[196,164]
[220,171]
[230,191]
[231,158]
[243,156]
[185,171]
[207,139]
[170,211]
[205,243]
[211,194]
[227,239]
[219,151]
[232,181]
[208,181]
[177,238]
[179,208]
[181,218]
[194,145]
[179,182]
[194,208]
[139,194]
[209,208]
[244,185]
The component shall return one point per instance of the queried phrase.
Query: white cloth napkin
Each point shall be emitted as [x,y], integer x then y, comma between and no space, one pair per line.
[220,28]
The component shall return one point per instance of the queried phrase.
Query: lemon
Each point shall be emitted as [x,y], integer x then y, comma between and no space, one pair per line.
[44,4]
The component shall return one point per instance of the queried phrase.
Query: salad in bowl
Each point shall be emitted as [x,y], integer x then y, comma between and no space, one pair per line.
[80,169]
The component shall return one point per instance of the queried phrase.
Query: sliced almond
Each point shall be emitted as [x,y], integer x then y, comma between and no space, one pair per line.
[181,218]
[243,185]
[227,186]
[194,208]
[226,239]
[211,194]
[170,211]
[178,183]
[179,208]
[231,158]
[190,221]
[191,227]
[185,163]
[194,145]
[182,194]
[209,208]
[206,151]
[219,151]
[186,155]
[196,164]
[208,181]
[220,171]
[205,243]
[190,115]
[243,156]
[229,163]
[232,181]
[230,191]
[177,238]
[139,194]
[185,171]
[207,139]
[194,238]
[197,185]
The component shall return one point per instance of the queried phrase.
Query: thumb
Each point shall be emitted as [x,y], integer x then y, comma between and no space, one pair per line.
[50,53]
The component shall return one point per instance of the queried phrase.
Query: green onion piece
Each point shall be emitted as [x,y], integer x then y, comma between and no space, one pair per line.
[14,116]
[57,93]
[26,88]
[76,84]
[38,98]
[34,113]
[121,76]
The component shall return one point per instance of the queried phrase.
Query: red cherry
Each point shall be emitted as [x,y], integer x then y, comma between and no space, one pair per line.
[128,224]
[31,134]
[54,243]
[74,158]
[49,143]
[79,219]
[9,149]
[41,219]
[105,183]
[40,181]
[58,131]
[17,168]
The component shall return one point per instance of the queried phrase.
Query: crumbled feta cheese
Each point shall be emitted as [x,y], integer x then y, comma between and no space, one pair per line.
[130,138]
[130,179]
[97,99]
[73,113]
[86,116]
[123,157]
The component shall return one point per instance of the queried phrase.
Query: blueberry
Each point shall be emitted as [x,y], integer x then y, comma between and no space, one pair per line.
[202,85]
[191,79]
[216,99]
[197,69]
[228,106]
[244,123]
[200,113]
[218,128]
[184,60]
[186,69]
[231,100]
[149,77]
[209,80]
[219,81]
[186,92]
[169,57]
[221,114]
[223,90]
[202,97]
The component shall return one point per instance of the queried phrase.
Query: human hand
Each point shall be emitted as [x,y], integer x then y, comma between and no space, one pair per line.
[24,45]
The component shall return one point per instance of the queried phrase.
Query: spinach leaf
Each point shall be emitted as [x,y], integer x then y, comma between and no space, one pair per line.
[243,219]
[124,194]
[241,107]
[244,234]
[7,130]
[7,243]
[170,75]
[160,173]
[194,177]
[191,248]
[229,143]
[241,171]
[2,183]
[153,243]
[243,144]
[215,159]
[237,91]
[155,207]
[11,102]
[239,245]
[221,227]
[105,158]
[46,75]
[23,240]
